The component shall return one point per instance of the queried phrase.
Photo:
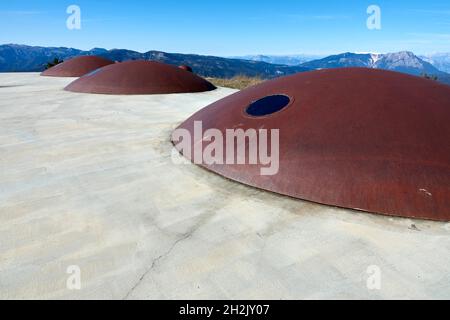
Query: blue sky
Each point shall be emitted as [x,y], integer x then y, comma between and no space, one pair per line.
[231,27]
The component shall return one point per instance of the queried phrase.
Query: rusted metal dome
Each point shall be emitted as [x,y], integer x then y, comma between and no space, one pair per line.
[140,77]
[77,67]
[186,68]
[364,139]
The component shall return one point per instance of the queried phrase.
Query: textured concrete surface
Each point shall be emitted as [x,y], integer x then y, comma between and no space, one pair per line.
[88,180]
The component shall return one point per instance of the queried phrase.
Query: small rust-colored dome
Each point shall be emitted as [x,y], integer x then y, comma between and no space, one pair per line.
[365,139]
[77,67]
[186,68]
[140,77]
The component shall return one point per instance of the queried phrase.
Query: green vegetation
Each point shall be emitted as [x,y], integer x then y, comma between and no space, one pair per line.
[430,76]
[53,63]
[237,82]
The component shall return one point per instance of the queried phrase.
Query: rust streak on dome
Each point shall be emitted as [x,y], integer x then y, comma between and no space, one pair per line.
[140,77]
[77,67]
[365,139]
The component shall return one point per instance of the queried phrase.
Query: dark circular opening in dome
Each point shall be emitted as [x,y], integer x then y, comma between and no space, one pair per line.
[268,105]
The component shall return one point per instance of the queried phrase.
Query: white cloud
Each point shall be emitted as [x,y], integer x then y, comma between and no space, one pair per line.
[20,12]
[434,12]
[431,36]
[317,16]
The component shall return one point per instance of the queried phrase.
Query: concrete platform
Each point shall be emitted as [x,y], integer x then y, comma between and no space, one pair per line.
[88,181]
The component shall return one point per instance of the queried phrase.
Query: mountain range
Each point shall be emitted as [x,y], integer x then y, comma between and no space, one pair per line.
[404,61]
[439,60]
[289,60]
[21,58]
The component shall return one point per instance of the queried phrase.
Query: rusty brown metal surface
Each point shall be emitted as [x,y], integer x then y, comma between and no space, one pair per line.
[363,139]
[140,77]
[186,68]
[77,67]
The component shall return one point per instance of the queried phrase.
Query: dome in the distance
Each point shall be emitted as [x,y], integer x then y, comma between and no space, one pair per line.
[77,67]
[186,68]
[140,77]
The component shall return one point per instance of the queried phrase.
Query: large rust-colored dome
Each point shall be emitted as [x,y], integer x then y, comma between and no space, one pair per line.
[140,77]
[371,140]
[77,67]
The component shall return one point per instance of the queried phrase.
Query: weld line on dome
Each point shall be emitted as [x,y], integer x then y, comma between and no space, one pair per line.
[92,72]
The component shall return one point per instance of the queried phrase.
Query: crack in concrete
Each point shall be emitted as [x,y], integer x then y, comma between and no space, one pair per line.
[211,213]
[164,255]
[155,262]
